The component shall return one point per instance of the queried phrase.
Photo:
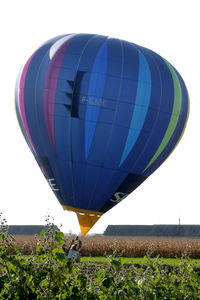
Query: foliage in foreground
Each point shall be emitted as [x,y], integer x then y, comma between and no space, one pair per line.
[47,274]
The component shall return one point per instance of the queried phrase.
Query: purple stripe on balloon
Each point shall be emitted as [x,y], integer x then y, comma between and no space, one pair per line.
[50,90]
[21,100]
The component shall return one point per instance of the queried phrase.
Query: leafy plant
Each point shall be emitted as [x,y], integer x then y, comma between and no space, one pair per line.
[47,274]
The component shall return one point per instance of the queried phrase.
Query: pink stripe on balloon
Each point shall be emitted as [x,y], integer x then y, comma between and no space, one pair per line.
[21,101]
[50,90]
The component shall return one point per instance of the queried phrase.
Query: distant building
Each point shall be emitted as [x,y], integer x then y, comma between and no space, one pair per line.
[27,229]
[153,230]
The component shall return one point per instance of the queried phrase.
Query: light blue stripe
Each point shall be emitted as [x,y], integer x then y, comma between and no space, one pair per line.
[143,96]
[95,92]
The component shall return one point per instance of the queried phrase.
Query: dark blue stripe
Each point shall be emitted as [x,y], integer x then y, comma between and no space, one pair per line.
[158,116]
[177,132]
[122,112]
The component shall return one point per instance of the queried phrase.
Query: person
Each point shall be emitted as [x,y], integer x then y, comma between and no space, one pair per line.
[75,249]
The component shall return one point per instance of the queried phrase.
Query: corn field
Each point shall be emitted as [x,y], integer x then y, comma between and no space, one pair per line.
[125,246]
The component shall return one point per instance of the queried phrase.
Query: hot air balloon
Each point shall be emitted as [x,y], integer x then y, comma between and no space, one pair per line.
[100,115]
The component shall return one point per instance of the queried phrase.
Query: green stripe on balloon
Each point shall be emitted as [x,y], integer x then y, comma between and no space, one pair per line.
[174,117]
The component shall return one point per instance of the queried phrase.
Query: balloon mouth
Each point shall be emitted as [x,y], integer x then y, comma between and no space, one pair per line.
[86,218]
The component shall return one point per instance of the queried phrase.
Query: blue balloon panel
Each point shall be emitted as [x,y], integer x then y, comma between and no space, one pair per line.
[100,115]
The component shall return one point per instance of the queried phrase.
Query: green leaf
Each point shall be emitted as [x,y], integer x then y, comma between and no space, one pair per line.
[82,280]
[59,237]
[116,264]
[107,281]
[42,233]
[59,255]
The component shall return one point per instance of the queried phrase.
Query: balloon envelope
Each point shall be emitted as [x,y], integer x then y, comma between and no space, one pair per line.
[100,115]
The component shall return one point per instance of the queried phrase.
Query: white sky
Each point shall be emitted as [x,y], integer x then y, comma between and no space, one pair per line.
[170,28]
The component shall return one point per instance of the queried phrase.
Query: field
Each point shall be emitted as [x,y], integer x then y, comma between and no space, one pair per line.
[111,268]
[126,246]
